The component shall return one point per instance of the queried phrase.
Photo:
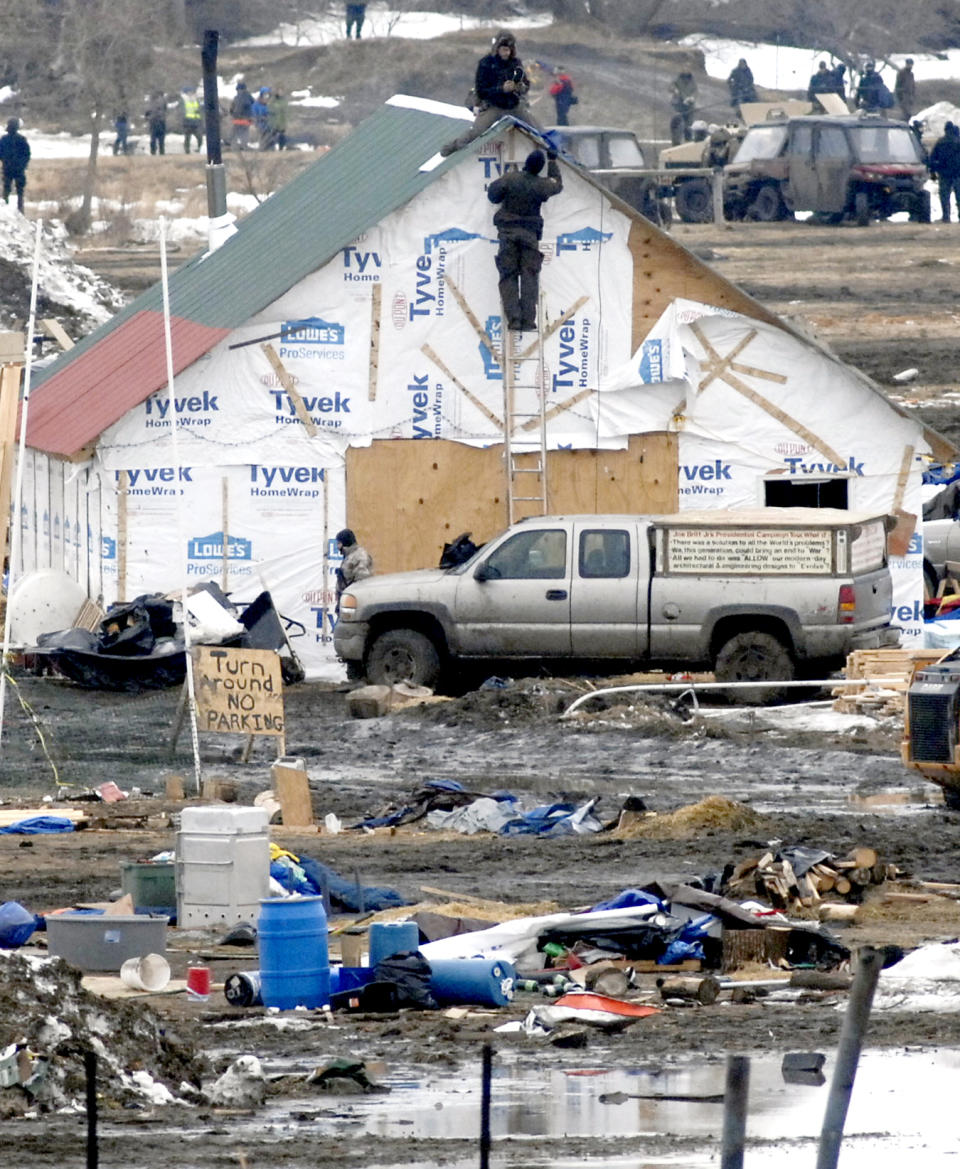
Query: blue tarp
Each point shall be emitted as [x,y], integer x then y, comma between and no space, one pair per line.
[37,825]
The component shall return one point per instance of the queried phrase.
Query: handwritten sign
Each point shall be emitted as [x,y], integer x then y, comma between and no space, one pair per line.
[746,551]
[239,691]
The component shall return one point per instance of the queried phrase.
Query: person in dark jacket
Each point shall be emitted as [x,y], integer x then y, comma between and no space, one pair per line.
[121,123]
[945,167]
[561,90]
[241,114]
[501,88]
[872,94]
[356,13]
[15,158]
[519,224]
[740,84]
[156,117]
[823,81]
[683,100]
[905,90]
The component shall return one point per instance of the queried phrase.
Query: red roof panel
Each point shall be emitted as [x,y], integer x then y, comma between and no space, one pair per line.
[73,407]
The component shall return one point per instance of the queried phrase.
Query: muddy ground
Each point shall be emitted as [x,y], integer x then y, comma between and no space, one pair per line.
[884,298]
[807,776]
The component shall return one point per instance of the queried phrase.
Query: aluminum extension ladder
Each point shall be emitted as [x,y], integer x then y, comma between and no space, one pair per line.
[524,411]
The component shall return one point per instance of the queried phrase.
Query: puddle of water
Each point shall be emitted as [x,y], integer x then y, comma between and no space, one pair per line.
[903,1103]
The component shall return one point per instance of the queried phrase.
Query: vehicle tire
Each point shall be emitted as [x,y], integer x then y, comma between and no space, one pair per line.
[403,655]
[354,671]
[921,208]
[861,208]
[951,798]
[694,201]
[767,205]
[754,657]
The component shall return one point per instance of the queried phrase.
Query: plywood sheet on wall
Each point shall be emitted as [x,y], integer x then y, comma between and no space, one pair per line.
[407,497]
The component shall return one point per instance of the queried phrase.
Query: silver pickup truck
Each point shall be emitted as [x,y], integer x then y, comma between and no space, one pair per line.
[757,595]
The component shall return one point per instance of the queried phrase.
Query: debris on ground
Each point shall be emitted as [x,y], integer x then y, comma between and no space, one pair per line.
[710,814]
[45,1012]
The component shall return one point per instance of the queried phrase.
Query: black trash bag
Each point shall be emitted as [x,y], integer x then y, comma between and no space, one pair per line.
[410,973]
[135,627]
[79,640]
[458,551]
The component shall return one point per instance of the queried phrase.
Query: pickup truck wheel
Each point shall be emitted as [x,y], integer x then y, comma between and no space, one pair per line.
[861,208]
[403,655]
[754,657]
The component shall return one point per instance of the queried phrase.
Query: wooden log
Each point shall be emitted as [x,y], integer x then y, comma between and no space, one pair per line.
[605,978]
[701,990]
[864,858]
[826,878]
[878,873]
[940,886]
[831,911]
[859,877]
[912,898]
[842,886]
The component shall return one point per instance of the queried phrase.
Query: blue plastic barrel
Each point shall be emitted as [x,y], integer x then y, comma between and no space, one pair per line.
[484,982]
[294,964]
[392,937]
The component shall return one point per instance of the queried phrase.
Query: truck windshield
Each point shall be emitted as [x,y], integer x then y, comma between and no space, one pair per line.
[886,144]
[624,151]
[761,142]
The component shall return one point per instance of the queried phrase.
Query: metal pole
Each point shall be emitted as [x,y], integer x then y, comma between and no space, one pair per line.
[696,687]
[869,963]
[15,566]
[90,1068]
[718,195]
[486,1074]
[735,1096]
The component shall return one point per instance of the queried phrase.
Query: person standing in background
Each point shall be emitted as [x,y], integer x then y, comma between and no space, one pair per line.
[355,17]
[561,90]
[156,117]
[191,118]
[14,159]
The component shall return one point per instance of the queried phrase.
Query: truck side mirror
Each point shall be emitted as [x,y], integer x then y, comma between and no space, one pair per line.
[485,572]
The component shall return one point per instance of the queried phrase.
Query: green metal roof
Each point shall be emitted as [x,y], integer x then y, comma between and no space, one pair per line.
[371,173]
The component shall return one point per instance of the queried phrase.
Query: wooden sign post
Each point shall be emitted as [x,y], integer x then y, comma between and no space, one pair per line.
[239,692]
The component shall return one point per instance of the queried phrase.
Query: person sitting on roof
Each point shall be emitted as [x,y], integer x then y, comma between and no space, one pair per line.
[500,88]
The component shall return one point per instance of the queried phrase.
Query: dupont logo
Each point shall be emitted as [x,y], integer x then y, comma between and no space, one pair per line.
[212,547]
[108,548]
[398,310]
[311,331]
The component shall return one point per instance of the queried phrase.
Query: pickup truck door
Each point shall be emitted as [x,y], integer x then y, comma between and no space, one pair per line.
[608,614]
[516,601]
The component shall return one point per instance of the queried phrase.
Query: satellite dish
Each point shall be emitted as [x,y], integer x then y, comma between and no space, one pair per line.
[43,602]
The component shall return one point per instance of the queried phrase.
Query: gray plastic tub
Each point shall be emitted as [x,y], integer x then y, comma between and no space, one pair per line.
[103,941]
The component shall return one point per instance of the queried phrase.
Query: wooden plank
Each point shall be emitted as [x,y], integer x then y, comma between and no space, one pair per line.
[730,378]
[553,327]
[471,397]
[10,816]
[123,487]
[374,341]
[286,380]
[423,480]
[292,789]
[532,423]
[52,327]
[469,314]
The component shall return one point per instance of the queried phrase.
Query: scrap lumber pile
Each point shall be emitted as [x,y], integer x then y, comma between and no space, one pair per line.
[830,890]
[886,675]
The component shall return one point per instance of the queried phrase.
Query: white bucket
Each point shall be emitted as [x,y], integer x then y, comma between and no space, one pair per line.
[150,973]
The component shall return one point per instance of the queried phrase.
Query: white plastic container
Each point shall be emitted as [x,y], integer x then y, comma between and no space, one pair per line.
[223,865]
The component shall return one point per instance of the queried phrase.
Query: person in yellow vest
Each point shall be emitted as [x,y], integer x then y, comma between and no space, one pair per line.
[192,123]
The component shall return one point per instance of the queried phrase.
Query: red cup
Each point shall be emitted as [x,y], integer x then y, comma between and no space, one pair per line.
[198,981]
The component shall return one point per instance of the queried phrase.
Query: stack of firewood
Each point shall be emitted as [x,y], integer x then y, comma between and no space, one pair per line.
[834,881]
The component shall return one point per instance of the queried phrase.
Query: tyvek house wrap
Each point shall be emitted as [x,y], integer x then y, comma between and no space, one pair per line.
[380,344]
